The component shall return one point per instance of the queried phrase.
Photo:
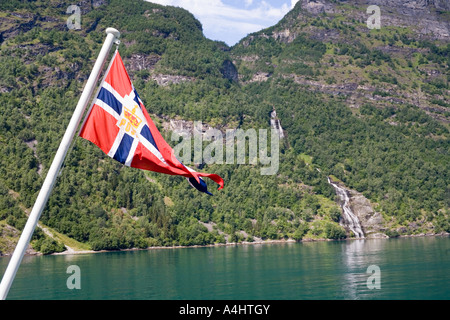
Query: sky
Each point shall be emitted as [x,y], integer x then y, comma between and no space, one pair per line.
[232,20]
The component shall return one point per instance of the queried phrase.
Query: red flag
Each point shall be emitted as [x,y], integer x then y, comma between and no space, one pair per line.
[121,127]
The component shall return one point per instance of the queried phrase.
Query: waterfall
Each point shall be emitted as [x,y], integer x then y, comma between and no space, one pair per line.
[276,124]
[350,220]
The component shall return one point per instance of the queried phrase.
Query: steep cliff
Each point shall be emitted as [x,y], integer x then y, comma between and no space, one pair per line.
[327,46]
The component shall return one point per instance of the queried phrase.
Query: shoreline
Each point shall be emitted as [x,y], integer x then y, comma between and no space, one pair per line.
[259,242]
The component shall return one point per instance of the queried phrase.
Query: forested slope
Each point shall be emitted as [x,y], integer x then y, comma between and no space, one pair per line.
[373,119]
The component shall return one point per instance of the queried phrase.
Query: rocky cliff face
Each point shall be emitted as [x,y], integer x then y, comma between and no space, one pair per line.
[427,17]
[368,220]
[229,71]
[404,62]
[371,221]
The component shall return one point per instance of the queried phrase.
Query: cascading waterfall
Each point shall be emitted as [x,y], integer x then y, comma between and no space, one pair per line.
[350,219]
[276,124]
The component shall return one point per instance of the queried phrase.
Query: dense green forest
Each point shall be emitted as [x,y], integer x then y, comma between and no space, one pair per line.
[394,153]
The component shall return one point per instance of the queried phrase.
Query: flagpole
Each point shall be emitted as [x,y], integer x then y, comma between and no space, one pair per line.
[112,36]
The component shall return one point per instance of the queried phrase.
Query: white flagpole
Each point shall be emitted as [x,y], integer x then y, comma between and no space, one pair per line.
[112,36]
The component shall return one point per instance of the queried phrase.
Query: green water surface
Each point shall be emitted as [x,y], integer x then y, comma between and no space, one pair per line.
[408,268]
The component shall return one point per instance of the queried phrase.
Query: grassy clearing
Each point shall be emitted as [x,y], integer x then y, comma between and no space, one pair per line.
[308,159]
[72,243]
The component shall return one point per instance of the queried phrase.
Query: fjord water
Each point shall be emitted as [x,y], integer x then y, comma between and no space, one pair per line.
[409,268]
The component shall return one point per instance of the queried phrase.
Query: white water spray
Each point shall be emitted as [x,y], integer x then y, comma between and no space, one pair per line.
[350,219]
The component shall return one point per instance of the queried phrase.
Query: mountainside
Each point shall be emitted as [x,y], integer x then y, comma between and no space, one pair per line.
[367,107]
[328,47]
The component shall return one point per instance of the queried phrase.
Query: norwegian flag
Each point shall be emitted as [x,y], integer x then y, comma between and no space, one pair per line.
[120,126]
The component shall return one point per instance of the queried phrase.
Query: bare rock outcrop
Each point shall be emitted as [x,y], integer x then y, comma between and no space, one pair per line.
[427,17]
[371,221]
[229,71]
[366,218]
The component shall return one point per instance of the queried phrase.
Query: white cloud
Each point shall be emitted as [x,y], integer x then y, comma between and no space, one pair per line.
[228,23]
[248,3]
[293,3]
